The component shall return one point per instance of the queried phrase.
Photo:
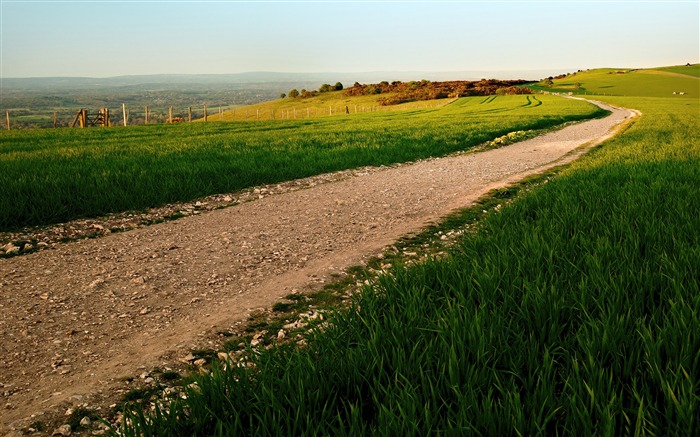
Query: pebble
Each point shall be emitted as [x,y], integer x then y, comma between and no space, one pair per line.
[63,430]
[223,356]
[10,248]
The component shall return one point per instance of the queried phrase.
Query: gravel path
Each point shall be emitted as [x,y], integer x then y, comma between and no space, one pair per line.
[75,318]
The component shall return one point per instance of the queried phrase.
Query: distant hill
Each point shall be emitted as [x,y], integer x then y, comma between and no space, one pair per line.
[648,82]
[306,80]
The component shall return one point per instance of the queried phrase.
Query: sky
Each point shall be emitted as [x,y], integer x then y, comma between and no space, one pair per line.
[104,38]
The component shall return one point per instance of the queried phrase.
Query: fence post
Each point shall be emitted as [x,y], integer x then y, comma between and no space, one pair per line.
[221,114]
[7,114]
[257,114]
[205,112]
[189,114]
[124,112]
[170,115]
[54,120]
[145,121]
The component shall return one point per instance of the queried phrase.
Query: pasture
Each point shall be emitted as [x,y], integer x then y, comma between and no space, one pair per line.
[573,310]
[52,176]
[626,82]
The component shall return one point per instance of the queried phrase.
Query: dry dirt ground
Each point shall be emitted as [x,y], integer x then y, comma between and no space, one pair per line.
[76,317]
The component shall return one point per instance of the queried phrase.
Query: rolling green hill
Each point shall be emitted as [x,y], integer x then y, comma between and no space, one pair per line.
[688,70]
[321,105]
[663,82]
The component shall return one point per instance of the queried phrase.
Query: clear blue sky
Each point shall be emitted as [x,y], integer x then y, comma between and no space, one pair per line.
[100,38]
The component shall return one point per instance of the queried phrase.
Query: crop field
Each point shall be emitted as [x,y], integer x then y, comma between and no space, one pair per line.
[52,176]
[624,82]
[573,310]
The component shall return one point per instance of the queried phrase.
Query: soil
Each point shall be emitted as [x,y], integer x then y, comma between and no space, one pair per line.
[78,317]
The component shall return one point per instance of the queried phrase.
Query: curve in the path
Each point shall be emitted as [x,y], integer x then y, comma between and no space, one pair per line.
[75,318]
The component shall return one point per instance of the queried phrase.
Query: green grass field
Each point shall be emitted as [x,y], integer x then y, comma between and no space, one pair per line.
[326,104]
[625,82]
[51,176]
[574,310]
[690,70]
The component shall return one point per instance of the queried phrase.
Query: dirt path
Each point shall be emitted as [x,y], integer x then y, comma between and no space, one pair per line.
[75,318]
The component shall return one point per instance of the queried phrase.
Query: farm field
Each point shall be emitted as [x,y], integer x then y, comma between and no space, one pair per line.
[573,310]
[692,70]
[52,176]
[325,104]
[625,82]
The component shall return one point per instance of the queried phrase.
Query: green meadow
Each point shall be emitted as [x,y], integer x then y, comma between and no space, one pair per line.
[689,70]
[572,310]
[321,105]
[55,175]
[652,82]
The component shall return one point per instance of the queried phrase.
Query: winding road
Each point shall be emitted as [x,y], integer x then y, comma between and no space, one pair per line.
[76,318]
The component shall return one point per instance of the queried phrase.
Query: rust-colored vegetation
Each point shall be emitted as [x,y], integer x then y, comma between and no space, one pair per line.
[402,92]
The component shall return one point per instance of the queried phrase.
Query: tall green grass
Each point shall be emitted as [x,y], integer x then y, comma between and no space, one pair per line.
[574,310]
[50,176]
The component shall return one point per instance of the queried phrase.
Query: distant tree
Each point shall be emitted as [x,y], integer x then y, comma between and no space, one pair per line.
[577,85]
[294,93]
[325,88]
[548,81]
[283,95]
[356,84]
[338,86]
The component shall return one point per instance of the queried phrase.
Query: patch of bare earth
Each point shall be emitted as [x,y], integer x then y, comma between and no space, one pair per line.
[77,317]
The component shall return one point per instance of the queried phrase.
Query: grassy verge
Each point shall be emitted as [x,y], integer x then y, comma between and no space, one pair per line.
[52,176]
[574,310]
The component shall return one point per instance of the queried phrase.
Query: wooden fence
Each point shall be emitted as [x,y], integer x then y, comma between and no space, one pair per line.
[84,118]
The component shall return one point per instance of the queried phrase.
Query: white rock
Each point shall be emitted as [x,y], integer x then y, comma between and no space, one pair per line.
[63,430]
[10,248]
[223,356]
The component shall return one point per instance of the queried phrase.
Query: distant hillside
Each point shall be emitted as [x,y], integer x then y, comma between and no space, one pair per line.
[303,80]
[650,82]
